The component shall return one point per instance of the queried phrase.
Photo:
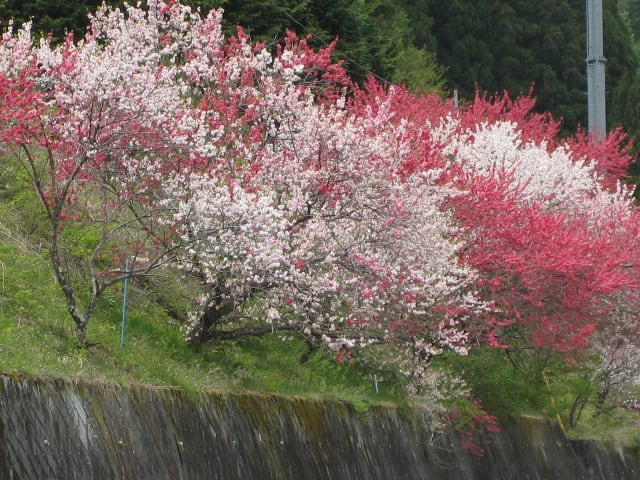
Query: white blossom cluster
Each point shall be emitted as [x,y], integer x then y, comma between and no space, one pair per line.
[548,177]
[616,361]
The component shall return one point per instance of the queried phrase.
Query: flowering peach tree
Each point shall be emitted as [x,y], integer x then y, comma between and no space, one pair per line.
[364,218]
[295,205]
[88,120]
[551,233]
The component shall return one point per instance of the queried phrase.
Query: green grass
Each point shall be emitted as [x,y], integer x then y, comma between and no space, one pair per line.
[542,387]
[502,388]
[622,429]
[36,338]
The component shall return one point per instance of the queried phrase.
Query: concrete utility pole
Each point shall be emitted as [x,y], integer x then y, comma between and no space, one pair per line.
[596,61]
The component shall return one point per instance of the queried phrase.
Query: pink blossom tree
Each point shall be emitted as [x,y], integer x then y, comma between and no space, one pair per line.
[90,122]
[299,213]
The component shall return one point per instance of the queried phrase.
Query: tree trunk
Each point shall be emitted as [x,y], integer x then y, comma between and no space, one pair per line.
[576,410]
[81,334]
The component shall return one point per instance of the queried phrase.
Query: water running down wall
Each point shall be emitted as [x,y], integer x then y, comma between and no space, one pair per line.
[66,429]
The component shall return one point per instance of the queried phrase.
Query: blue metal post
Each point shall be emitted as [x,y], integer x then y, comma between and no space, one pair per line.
[124,302]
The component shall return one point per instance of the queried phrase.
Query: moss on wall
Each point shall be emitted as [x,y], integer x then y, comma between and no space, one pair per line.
[63,428]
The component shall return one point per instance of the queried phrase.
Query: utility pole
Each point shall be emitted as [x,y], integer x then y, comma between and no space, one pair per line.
[596,106]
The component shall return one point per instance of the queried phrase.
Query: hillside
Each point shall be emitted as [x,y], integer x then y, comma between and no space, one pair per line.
[274,225]
[37,339]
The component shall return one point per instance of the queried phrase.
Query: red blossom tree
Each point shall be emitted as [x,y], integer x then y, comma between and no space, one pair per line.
[87,121]
[550,232]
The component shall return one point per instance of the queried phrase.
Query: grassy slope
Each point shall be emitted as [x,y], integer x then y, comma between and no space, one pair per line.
[36,338]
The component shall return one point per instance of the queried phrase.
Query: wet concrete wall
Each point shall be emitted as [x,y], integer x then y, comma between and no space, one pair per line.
[65,429]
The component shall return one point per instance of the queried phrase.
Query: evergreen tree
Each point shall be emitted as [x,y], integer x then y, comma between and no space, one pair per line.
[630,12]
[374,36]
[421,23]
[622,69]
[56,17]
[517,44]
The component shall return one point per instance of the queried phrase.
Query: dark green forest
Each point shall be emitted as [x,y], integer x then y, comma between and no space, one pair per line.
[489,46]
